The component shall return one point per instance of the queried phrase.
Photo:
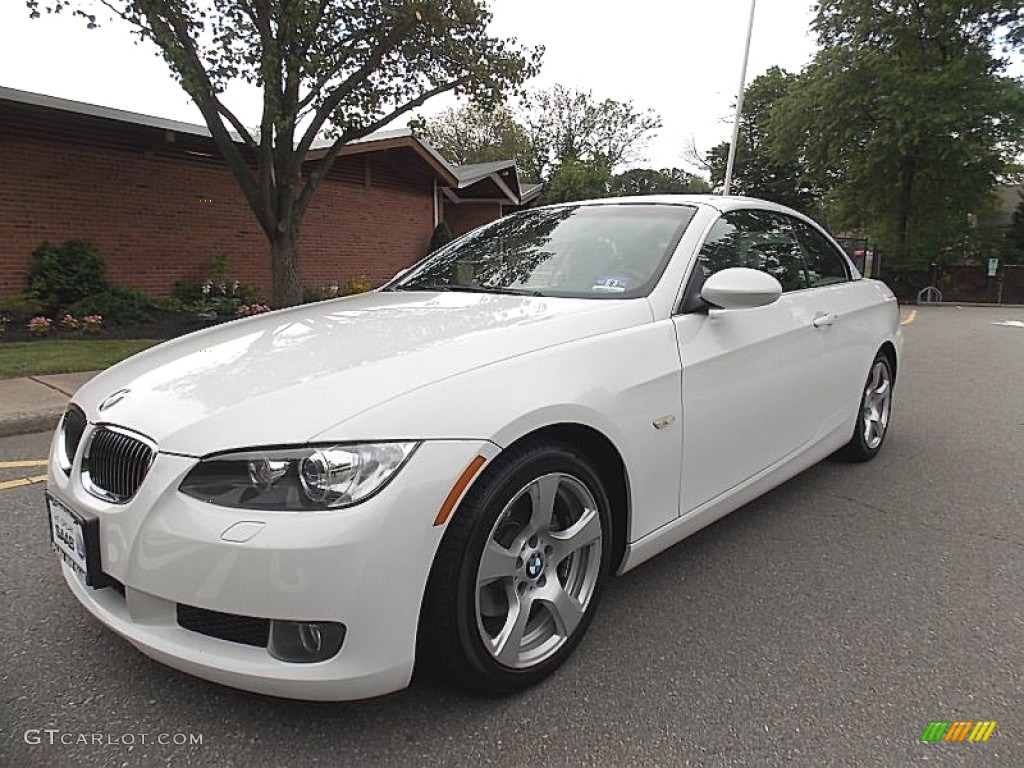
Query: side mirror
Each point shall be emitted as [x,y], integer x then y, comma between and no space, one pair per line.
[740,288]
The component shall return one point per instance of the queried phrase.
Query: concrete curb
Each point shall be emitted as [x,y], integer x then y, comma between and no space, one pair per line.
[35,403]
[25,423]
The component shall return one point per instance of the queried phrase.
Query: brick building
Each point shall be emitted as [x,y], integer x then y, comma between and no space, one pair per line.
[159,203]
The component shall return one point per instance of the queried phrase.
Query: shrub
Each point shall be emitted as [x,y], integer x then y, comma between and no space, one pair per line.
[310,295]
[442,236]
[247,310]
[40,326]
[69,323]
[22,306]
[61,275]
[4,322]
[118,306]
[92,323]
[218,295]
[168,304]
[356,285]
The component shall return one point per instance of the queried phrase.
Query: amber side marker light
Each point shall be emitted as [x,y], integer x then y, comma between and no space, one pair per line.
[460,485]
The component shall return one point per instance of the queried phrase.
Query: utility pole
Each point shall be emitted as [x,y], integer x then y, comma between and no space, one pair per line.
[739,105]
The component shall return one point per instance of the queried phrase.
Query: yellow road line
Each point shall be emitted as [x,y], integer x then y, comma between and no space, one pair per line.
[21,464]
[21,481]
[909,318]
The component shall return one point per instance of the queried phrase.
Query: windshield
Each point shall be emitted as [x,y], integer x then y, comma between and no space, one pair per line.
[603,251]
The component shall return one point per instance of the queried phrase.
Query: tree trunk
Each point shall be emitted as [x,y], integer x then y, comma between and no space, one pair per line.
[904,208]
[284,253]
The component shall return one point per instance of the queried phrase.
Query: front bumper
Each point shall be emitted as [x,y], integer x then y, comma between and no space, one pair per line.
[365,567]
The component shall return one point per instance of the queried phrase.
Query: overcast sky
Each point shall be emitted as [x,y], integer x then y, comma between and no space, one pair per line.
[680,58]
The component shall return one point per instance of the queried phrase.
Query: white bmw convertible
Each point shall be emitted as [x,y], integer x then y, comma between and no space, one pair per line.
[444,472]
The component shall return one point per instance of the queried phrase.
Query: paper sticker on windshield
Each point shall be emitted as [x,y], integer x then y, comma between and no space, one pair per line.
[612,284]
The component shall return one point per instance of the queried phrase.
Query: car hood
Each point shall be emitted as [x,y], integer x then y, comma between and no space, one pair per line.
[286,376]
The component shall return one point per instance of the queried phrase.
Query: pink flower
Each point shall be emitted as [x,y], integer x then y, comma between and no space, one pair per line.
[39,325]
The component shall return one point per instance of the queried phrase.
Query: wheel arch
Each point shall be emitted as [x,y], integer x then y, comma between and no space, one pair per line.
[611,469]
[889,350]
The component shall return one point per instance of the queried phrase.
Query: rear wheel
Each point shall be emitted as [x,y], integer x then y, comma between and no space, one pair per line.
[519,572]
[874,413]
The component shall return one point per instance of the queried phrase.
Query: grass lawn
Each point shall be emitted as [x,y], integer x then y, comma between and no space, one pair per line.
[34,358]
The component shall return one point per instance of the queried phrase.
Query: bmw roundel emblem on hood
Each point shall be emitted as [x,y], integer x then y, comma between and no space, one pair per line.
[114,399]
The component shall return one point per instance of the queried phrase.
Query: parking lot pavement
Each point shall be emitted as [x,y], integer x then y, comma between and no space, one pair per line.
[827,623]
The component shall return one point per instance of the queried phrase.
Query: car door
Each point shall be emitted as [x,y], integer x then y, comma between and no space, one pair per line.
[748,374]
[837,302]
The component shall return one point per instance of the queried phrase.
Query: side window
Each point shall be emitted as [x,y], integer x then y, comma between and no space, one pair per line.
[756,239]
[825,265]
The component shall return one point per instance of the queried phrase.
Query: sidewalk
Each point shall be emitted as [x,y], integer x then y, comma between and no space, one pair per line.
[34,404]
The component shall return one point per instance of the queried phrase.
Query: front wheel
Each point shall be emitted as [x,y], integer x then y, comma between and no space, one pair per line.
[518,574]
[873,416]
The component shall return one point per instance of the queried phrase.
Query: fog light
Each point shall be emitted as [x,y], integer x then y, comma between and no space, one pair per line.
[305,641]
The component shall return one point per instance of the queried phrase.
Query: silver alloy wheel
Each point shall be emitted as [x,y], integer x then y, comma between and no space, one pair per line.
[877,405]
[538,570]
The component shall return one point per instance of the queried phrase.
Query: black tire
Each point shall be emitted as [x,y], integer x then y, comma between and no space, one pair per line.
[462,622]
[873,414]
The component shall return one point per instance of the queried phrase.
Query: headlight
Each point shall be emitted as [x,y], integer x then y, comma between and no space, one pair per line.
[307,478]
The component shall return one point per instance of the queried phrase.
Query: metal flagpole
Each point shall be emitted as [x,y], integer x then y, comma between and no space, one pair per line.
[739,105]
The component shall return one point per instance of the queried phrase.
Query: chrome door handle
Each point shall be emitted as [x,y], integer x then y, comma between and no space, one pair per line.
[823,318]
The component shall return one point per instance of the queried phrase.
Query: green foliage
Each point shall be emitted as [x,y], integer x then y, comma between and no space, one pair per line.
[1013,249]
[566,126]
[117,306]
[474,134]
[441,236]
[906,119]
[168,303]
[223,298]
[577,180]
[351,286]
[22,306]
[71,279]
[219,295]
[760,170]
[340,68]
[63,274]
[356,285]
[668,181]
[310,295]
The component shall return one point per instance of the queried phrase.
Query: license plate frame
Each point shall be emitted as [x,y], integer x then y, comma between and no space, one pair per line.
[76,540]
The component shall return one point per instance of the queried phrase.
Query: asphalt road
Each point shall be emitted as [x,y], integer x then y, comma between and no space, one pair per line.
[825,624]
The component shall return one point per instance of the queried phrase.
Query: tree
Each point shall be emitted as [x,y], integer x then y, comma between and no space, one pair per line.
[906,117]
[1013,250]
[441,236]
[761,170]
[349,67]
[577,180]
[474,134]
[567,125]
[668,181]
